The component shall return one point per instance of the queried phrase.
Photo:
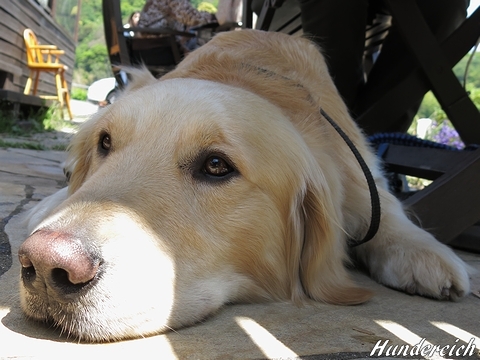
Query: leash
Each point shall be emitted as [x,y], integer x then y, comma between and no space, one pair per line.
[374,197]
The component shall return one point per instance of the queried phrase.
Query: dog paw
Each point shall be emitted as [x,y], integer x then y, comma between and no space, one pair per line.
[434,271]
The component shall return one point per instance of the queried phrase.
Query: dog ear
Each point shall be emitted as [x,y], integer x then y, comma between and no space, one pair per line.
[138,78]
[321,246]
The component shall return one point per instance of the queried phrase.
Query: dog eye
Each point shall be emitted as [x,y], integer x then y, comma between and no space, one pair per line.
[217,166]
[105,143]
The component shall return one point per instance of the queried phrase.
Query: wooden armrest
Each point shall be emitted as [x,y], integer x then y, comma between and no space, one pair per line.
[44,47]
[52,55]
[53,52]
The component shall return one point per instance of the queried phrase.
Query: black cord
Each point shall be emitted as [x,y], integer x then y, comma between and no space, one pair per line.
[374,197]
[469,61]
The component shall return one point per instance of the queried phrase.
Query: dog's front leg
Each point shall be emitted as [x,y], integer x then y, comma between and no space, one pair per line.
[406,257]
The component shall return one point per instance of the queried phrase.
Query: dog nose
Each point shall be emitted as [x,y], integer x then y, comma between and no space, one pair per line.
[57,260]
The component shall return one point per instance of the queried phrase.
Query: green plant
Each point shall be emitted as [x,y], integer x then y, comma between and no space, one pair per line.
[20,145]
[92,62]
[54,119]
[79,94]
[59,147]
[474,94]
[417,183]
[6,120]
[208,7]
[430,108]
[19,121]
[196,3]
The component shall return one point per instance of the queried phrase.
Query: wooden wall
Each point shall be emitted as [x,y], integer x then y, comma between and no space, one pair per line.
[15,16]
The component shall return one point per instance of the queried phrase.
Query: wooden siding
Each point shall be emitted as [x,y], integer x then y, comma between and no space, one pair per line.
[16,16]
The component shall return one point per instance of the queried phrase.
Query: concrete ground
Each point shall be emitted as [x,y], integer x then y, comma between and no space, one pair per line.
[252,331]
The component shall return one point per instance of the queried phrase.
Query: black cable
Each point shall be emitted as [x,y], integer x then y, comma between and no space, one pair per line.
[374,197]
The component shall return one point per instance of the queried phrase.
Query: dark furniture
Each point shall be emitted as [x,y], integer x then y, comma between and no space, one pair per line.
[450,206]
[157,49]
[159,52]
[273,15]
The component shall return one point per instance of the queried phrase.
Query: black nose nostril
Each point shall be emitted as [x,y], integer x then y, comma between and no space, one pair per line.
[28,270]
[60,279]
[28,274]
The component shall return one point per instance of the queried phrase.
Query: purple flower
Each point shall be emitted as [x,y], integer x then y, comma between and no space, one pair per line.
[447,135]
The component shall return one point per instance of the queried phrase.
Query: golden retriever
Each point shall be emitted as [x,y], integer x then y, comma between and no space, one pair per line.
[219,183]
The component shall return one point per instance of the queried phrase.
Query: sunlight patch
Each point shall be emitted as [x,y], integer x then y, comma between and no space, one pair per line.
[410,338]
[268,344]
[455,331]
[4,311]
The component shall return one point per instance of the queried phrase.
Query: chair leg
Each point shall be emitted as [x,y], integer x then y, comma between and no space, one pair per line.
[58,83]
[28,85]
[66,93]
[35,84]
[62,93]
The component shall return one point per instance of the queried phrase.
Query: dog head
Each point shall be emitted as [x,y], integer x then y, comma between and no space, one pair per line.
[185,195]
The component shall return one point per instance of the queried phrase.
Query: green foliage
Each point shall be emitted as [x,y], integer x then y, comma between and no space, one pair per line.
[65,14]
[129,7]
[21,145]
[12,123]
[92,63]
[207,6]
[90,27]
[45,119]
[473,73]
[91,58]
[196,3]
[59,147]
[78,94]
[430,108]
[474,93]
[54,119]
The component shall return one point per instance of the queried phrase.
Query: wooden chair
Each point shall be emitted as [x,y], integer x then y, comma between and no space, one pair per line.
[449,207]
[46,58]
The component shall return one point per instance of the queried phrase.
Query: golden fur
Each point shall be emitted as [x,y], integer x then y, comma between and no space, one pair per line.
[177,243]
